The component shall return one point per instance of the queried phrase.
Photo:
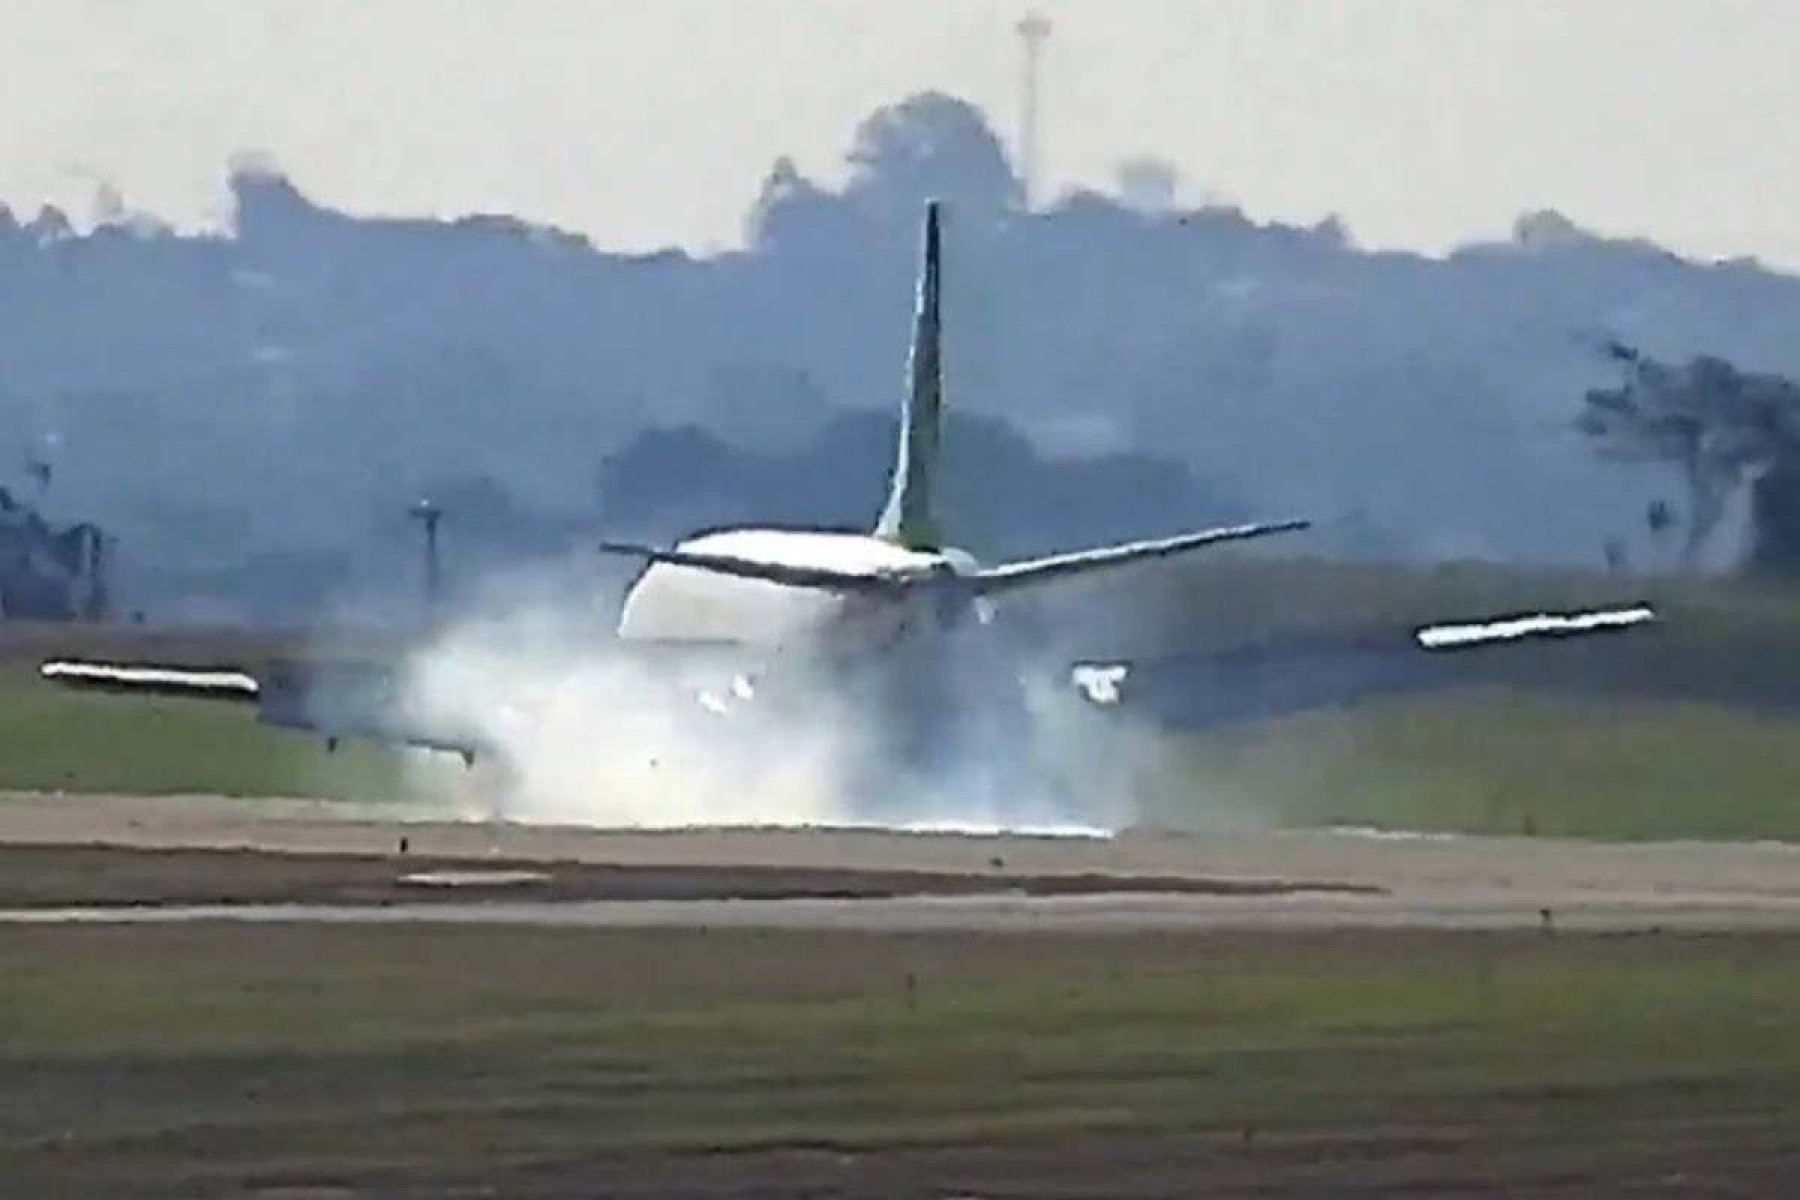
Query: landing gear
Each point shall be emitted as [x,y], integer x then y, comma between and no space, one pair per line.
[954,739]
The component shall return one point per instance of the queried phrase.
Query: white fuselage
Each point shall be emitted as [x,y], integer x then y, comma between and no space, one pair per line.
[670,603]
[909,680]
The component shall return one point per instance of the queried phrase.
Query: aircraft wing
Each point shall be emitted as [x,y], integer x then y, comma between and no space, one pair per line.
[226,683]
[1008,576]
[1241,684]
[341,699]
[334,700]
[1289,674]
[1455,635]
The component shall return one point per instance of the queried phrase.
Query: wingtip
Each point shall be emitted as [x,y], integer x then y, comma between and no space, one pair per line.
[1453,635]
[80,672]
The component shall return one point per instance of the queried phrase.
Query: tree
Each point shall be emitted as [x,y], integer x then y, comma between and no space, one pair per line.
[1721,427]
[1147,184]
[1775,509]
[793,214]
[931,145]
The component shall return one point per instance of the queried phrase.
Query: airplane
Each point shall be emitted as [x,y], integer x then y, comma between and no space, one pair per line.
[895,621]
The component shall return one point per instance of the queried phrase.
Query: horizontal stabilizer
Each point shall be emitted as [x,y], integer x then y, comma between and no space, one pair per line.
[787,574]
[1059,566]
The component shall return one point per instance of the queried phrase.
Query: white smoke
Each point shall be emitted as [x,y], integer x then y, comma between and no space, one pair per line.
[588,731]
[587,734]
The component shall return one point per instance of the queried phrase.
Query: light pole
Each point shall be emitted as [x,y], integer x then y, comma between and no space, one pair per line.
[1034,31]
[428,515]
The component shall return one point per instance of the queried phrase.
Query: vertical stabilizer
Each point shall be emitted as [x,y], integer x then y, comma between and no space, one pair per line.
[908,518]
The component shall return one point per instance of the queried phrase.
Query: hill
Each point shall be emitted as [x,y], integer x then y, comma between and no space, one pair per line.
[251,411]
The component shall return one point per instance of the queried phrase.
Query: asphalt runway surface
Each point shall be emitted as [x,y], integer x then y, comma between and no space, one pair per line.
[207,858]
[230,997]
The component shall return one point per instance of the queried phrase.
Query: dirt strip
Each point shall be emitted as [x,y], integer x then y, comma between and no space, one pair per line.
[221,851]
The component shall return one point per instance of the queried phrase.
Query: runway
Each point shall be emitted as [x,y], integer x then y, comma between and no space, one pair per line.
[297,998]
[354,867]
[1116,913]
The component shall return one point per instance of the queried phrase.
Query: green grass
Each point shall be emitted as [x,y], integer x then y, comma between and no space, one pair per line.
[1493,761]
[1690,729]
[1481,760]
[57,740]
[54,739]
[382,1050]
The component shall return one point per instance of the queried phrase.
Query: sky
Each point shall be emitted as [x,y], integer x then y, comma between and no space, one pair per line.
[1422,123]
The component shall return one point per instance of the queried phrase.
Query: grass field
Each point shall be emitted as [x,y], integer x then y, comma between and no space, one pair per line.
[223,1060]
[1688,730]
[322,1062]
[1693,731]
[57,740]
[1475,761]
[1493,761]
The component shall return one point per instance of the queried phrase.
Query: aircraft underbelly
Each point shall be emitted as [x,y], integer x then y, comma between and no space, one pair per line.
[912,684]
[676,604]
[683,603]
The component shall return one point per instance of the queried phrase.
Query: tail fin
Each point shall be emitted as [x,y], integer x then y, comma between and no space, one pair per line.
[908,518]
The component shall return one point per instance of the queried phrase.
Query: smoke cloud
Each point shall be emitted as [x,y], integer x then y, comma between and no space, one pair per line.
[585,730]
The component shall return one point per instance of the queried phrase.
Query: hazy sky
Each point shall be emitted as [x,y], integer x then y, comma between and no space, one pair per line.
[649,122]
